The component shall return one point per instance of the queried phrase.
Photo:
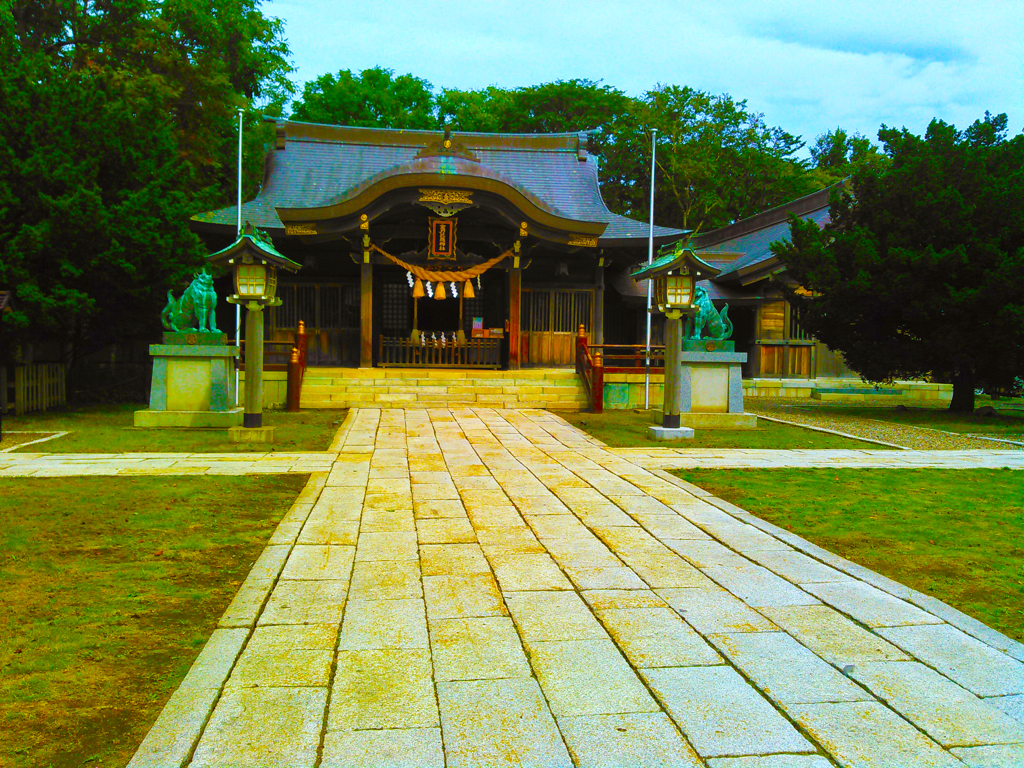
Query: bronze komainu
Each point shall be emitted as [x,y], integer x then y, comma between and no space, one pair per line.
[707,320]
[194,311]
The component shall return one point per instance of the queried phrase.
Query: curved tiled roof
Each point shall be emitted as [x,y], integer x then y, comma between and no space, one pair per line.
[320,166]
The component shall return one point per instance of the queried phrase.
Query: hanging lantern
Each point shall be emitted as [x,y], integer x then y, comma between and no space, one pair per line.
[467,291]
[439,292]
[417,289]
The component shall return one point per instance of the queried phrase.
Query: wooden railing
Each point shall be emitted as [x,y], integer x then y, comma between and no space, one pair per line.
[35,387]
[593,361]
[472,353]
[287,356]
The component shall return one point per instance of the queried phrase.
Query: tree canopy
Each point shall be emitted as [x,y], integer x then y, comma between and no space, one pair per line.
[119,122]
[919,271]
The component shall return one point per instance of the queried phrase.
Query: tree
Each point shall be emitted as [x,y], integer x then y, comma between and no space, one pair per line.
[374,98]
[716,160]
[118,124]
[920,270]
[837,153]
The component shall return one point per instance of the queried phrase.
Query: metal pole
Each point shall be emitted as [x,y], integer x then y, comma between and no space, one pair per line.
[238,233]
[650,284]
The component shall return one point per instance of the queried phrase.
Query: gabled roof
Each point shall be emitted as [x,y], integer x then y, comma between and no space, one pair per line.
[745,245]
[324,166]
[5,301]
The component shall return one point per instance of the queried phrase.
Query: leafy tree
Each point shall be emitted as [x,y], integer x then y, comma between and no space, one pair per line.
[920,270]
[716,160]
[374,98]
[91,227]
[118,124]
[838,153]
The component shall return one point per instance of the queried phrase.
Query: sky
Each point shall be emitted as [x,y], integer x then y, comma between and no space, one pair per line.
[809,67]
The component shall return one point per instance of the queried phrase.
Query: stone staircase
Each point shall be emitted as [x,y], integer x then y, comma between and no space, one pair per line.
[551,388]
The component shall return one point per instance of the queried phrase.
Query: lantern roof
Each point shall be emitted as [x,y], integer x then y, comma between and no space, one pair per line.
[255,244]
[674,257]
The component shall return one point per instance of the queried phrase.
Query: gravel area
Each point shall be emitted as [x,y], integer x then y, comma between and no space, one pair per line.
[805,412]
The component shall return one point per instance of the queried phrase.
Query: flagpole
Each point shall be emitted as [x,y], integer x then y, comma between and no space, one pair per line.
[650,283]
[238,233]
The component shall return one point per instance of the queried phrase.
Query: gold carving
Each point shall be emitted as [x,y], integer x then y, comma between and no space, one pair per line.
[586,242]
[300,229]
[446,196]
[445,202]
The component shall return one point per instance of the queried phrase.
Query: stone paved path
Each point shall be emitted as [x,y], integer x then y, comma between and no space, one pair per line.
[493,588]
[812,413]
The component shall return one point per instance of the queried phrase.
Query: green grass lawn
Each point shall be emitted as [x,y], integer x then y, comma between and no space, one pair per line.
[627,429]
[108,429]
[957,535]
[1009,423]
[110,588]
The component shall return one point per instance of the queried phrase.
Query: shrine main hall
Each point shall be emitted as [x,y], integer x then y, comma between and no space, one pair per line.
[428,248]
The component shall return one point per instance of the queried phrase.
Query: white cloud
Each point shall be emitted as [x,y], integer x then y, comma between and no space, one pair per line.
[808,66]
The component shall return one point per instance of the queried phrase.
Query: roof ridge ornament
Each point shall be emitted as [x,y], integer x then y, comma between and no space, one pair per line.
[448,146]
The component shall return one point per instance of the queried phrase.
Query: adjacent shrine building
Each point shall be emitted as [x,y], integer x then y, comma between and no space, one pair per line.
[423,248]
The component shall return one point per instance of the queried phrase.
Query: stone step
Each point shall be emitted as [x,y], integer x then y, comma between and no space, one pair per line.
[346,388]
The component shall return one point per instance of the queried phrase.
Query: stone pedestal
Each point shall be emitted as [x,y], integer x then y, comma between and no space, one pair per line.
[193,383]
[711,386]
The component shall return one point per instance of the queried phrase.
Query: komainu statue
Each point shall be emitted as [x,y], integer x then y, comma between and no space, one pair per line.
[194,311]
[707,320]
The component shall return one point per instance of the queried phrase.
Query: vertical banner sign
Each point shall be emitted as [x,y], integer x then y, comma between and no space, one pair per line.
[442,238]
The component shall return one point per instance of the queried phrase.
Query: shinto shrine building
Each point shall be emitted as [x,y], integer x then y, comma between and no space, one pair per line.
[412,240]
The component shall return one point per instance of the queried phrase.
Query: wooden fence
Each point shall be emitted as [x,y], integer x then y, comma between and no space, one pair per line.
[472,353]
[593,361]
[32,388]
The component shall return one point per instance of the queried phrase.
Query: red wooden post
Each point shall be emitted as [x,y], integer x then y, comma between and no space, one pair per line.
[294,382]
[581,347]
[301,345]
[597,384]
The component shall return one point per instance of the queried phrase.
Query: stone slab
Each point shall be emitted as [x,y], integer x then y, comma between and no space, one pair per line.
[385,689]
[832,636]
[390,748]
[942,709]
[998,756]
[715,610]
[386,580]
[306,602]
[868,734]
[869,605]
[380,624]
[517,573]
[451,597]
[757,586]
[175,732]
[315,562]
[587,677]
[499,724]
[480,648]
[722,714]
[977,667]
[771,761]
[263,726]
[784,670]
[614,741]
[656,637]
[552,616]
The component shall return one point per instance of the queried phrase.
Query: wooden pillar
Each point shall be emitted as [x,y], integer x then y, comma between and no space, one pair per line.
[366,315]
[253,415]
[598,329]
[515,294]
[671,404]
